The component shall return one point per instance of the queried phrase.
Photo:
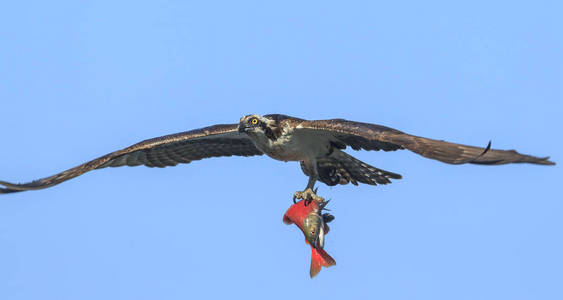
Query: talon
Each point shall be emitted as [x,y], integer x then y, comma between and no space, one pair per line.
[308,195]
[322,205]
[297,195]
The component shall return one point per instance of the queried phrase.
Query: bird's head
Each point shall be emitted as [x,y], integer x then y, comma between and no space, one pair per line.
[257,125]
[251,124]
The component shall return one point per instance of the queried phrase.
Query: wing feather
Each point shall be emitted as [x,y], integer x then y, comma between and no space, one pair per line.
[169,150]
[376,137]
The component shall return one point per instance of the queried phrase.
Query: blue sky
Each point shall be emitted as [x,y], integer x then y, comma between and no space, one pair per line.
[80,79]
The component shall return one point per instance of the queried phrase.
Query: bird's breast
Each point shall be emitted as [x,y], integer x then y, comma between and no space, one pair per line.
[294,147]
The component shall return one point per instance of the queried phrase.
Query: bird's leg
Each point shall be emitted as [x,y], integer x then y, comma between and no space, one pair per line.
[309,194]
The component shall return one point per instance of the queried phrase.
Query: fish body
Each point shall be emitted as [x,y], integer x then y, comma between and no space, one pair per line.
[313,225]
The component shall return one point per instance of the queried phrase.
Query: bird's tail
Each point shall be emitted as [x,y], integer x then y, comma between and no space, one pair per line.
[319,259]
[341,168]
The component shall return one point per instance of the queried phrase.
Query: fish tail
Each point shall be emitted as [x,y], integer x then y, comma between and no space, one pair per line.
[319,259]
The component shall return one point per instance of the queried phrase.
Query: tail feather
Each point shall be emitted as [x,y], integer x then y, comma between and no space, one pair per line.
[341,168]
[319,259]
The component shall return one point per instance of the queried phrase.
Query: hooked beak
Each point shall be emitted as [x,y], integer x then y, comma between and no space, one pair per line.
[243,128]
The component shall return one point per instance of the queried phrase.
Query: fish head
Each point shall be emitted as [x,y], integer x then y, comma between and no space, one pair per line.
[313,228]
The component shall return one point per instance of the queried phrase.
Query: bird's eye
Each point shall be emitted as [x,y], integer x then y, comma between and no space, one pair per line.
[254,121]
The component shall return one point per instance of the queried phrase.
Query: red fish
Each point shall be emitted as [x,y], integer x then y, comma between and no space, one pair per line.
[313,225]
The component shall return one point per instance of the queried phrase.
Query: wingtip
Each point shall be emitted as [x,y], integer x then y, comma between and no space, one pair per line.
[8,191]
[8,188]
[546,161]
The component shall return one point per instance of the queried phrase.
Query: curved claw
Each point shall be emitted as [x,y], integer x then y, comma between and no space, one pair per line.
[308,195]
[323,205]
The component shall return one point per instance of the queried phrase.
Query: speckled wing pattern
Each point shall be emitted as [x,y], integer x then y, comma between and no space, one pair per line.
[343,168]
[169,150]
[376,137]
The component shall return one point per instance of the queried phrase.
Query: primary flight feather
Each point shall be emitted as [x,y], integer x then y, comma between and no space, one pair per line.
[316,144]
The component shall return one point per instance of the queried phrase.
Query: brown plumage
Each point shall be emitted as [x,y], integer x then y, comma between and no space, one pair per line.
[376,137]
[316,144]
[345,169]
[169,150]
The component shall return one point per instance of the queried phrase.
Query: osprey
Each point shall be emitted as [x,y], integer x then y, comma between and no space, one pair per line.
[317,145]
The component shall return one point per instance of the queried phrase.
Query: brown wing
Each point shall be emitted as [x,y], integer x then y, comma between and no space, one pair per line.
[376,137]
[342,168]
[169,150]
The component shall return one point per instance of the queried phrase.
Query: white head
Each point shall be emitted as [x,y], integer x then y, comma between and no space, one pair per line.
[258,126]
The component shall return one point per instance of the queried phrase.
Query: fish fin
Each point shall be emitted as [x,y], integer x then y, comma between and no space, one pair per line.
[319,259]
[287,220]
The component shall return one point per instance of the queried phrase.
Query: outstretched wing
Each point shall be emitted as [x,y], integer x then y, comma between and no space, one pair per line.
[169,150]
[367,136]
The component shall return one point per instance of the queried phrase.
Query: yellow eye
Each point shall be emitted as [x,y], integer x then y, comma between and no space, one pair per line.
[254,121]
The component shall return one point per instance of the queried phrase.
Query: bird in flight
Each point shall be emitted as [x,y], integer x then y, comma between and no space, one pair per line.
[317,144]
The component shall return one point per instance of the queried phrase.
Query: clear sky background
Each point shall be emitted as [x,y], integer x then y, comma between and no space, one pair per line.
[79,79]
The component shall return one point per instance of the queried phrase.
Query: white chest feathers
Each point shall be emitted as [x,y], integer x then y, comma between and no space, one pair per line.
[293,145]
